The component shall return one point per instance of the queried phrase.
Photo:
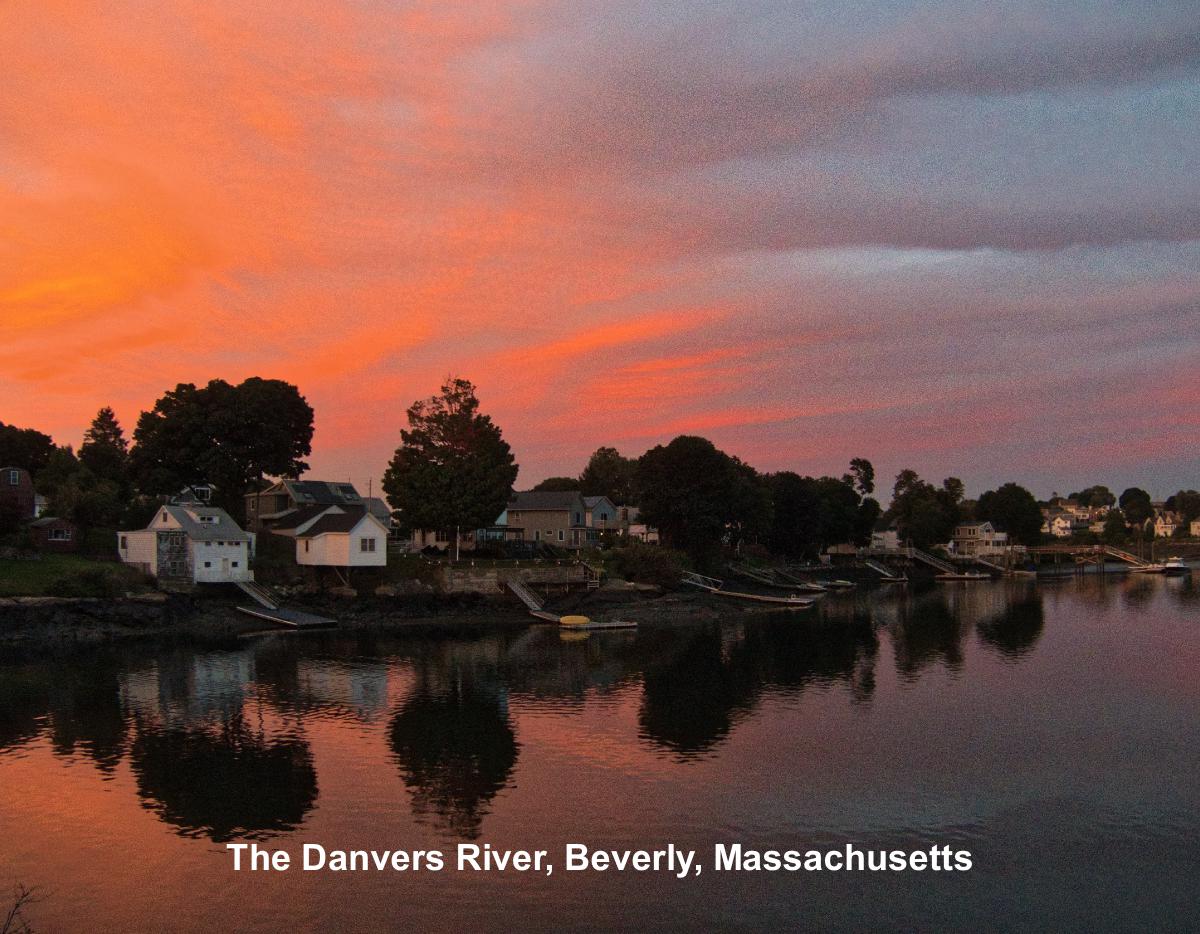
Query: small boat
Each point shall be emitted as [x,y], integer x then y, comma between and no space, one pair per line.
[964,576]
[892,579]
[837,585]
[584,624]
[1175,567]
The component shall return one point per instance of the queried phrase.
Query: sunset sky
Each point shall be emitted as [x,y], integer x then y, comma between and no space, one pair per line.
[962,237]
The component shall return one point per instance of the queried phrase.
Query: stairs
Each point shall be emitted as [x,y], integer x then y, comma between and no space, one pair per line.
[944,566]
[879,569]
[1124,556]
[259,594]
[525,594]
[592,575]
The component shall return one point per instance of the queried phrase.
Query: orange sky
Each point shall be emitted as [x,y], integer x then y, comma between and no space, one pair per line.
[621,222]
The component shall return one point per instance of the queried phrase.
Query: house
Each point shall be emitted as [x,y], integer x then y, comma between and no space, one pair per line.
[194,494]
[630,520]
[190,544]
[1195,528]
[16,489]
[979,539]
[1060,526]
[600,513]
[347,536]
[885,536]
[1165,524]
[51,534]
[554,517]
[286,496]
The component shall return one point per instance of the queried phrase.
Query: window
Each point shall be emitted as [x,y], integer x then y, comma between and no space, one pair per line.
[124,542]
[164,517]
[59,535]
[208,544]
[208,564]
[306,546]
[234,563]
[366,544]
[441,536]
[578,519]
[14,478]
[560,535]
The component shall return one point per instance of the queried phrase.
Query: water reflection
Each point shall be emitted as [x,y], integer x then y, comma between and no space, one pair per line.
[456,749]
[216,740]
[225,781]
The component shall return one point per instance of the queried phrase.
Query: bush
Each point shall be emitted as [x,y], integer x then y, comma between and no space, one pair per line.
[647,564]
[87,582]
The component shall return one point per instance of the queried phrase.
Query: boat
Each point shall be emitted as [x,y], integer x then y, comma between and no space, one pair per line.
[892,579]
[584,624]
[964,576]
[1175,567]
[1154,568]
[836,585]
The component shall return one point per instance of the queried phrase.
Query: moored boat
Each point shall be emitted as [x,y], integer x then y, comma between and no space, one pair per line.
[1175,567]
[964,576]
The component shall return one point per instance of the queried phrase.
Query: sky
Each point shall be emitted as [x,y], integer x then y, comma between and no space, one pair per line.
[959,237]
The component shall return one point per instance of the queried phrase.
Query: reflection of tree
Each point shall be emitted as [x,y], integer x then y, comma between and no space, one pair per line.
[456,750]
[225,782]
[87,713]
[1016,631]
[927,633]
[23,700]
[692,697]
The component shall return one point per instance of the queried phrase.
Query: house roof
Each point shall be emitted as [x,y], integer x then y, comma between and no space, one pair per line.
[593,501]
[545,500]
[317,492]
[223,528]
[48,520]
[341,520]
[296,518]
[378,508]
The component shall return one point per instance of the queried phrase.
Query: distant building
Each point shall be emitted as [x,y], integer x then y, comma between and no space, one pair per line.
[979,539]
[336,536]
[16,487]
[557,518]
[286,496]
[1195,528]
[1165,524]
[190,544]
[51,534]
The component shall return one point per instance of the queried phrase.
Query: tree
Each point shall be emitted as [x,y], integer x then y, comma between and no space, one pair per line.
[697,496]
[1094,497]
[453,469]
[230,436]
[1135,504]
[861,476]
[25,448]
[1012,509]
[104,451]
[557,485]
[1187,504]
[609,474]
[924,514]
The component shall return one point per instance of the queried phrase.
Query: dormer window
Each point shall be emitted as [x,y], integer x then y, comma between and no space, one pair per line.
[14,478]
[164,517]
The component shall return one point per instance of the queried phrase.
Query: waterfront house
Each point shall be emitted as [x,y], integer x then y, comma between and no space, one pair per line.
[284,497]
[51,534]
[16,489]
[557,518]
[1165,524]
[347,536]
[885,536]
[600,513]
[190,544]
[979,539]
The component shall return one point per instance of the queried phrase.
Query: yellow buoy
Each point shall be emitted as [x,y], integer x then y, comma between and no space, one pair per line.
[574,621]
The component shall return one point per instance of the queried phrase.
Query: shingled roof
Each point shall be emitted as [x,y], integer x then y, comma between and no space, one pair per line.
[545,501]
[223,527]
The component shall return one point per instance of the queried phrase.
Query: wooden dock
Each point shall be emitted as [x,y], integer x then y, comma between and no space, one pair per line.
[296,619]
[717,587]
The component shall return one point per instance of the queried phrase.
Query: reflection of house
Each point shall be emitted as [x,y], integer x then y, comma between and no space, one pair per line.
[335,536]
[53,534]
[979,539]
[16,488]
[190,544]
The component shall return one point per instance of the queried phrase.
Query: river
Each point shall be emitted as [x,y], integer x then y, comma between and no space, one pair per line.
[1050,730]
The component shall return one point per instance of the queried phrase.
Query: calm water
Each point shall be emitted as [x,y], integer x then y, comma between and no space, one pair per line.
[1052,730]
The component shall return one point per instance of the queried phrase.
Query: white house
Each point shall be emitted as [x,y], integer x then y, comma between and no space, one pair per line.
[979,539]
[190,544]
[336,536]
[1165,524]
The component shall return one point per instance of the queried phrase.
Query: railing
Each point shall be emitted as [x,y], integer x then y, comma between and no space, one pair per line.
[258,594]
[944,566]
[527,596]
[699,580]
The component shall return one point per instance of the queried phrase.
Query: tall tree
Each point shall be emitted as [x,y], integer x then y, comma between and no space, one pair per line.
[558,485]
[609,474]
[1115,531]
[231,436]
[861,476]
[1012,509]
[697,496]
[1187,504]
[26,448]
[453,469]
[1094,497]
[925,514]
[1136,505]
[104,451]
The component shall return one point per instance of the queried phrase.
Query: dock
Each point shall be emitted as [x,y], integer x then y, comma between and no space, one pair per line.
[536,606]
[717,587]
[297,619]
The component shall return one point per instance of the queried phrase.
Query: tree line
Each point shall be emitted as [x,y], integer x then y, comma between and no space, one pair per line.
[453,471]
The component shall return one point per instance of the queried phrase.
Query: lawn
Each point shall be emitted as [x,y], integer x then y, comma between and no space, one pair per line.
[72,575]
